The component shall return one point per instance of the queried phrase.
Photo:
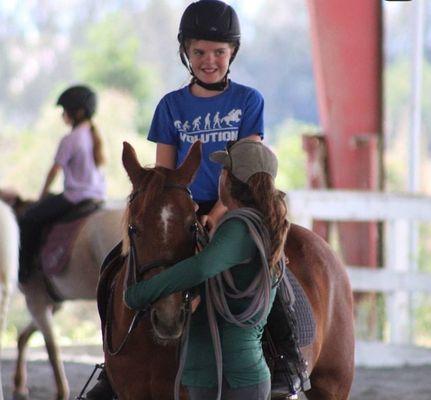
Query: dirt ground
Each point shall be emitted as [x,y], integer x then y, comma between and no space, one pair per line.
[370,384]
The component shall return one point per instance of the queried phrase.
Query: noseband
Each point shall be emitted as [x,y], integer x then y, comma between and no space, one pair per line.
[135,271]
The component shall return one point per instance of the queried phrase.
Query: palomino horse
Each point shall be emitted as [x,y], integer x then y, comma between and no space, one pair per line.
[162,220]
[160,217]
[78,281]
[9,242]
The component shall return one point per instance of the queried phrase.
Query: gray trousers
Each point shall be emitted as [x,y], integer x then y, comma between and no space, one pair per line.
[261,391]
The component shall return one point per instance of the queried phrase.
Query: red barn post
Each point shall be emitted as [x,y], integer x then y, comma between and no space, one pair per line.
[347,57]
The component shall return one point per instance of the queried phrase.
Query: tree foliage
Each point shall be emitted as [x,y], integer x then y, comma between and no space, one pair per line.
[110,57]
[291,156]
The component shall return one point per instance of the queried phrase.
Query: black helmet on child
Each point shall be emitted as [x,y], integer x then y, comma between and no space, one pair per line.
[78,97]
[211,20]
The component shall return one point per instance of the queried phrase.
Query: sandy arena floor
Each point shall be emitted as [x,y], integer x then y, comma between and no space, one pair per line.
[370,384]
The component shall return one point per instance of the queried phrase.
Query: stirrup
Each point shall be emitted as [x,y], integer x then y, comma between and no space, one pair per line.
[284,396]
[290,380]
[81,393]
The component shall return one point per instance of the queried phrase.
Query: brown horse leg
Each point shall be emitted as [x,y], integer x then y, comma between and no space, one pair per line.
[324,390]
[20,379]
[317,393]
[331,381]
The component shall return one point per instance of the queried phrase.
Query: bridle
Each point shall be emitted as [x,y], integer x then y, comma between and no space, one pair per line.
[135,271]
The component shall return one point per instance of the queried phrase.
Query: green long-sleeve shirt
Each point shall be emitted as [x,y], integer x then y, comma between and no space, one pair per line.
[243,361]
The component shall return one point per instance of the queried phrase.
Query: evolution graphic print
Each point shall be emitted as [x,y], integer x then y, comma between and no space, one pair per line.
[211,128]
[180,119]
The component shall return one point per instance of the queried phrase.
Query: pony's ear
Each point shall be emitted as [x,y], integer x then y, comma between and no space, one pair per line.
[187,170]
[131,163]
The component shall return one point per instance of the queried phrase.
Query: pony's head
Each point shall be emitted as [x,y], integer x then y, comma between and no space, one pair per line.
[161,225]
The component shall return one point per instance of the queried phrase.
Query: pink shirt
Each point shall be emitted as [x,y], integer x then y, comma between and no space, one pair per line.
[82,179]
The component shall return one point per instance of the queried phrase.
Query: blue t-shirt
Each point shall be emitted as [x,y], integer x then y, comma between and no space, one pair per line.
[182,118]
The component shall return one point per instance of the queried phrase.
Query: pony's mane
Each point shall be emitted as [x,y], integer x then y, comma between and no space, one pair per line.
[149,189]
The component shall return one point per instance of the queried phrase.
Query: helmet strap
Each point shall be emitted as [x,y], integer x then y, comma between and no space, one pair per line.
[218,86]
[185,59]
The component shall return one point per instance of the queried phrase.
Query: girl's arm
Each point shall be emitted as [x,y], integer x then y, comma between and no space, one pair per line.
[255,136]
[53,172]
[166,155]
[210,220]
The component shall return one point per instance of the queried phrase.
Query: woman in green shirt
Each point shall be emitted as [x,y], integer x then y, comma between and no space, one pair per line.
[236,277]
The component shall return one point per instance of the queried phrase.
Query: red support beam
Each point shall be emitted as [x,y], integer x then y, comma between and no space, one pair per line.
[347,50]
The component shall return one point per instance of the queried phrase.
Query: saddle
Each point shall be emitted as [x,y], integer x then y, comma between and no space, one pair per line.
[303,329]
[290,327]
[59,238]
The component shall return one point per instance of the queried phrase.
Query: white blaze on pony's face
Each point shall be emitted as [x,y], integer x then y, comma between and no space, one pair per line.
[165,217]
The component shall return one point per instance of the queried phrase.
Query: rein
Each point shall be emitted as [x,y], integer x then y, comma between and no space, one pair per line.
[135,271]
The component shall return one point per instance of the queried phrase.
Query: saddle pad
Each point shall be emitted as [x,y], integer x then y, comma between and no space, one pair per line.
[58,245]
[306,325]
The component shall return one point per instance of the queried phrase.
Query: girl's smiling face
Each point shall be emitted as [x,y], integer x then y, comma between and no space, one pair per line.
[209,60]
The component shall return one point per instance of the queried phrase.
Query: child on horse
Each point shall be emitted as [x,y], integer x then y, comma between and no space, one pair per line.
[79,156]
[212,108]
[215,110]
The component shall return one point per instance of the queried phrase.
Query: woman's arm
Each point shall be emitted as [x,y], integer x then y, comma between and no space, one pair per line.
[53,172]
[166,155]
[230,246]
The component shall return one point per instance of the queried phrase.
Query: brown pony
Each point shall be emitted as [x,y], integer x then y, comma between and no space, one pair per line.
[161,222]
[325,282]
[146,366]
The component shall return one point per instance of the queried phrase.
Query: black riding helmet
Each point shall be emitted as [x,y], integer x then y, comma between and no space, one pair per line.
[211,20]
[78,97]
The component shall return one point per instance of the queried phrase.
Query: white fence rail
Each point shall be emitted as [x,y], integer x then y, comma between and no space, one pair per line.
[398,278]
